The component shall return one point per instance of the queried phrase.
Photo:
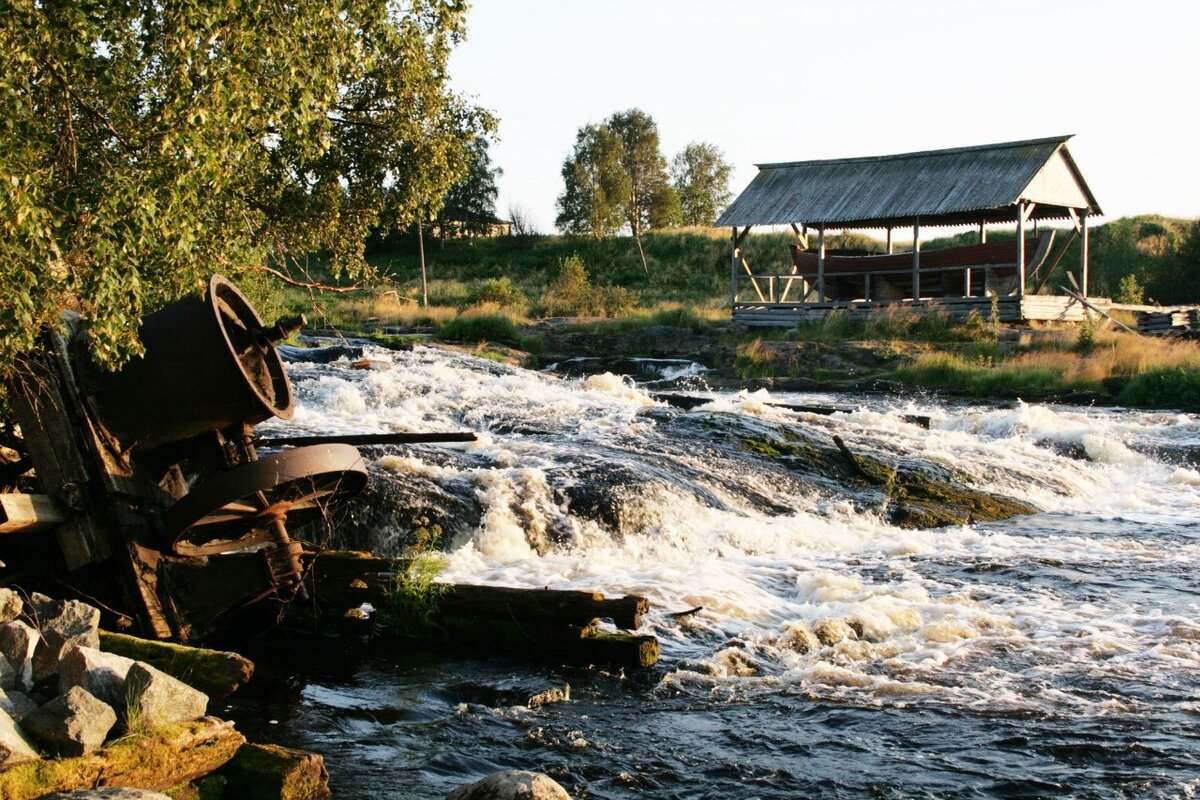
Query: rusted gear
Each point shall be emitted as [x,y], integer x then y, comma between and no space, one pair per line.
[249,504]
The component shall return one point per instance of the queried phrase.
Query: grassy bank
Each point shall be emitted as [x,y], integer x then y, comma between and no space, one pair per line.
[490,290]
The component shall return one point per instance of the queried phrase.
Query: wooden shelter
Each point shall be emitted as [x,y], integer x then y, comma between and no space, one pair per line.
[1013,182]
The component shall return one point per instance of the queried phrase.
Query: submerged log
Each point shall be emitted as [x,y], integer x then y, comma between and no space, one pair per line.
[546,605]
[271,772]
[583,645]
[215,672]
[163,758]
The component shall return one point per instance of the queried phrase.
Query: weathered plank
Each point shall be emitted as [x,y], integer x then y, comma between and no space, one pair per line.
[25,513]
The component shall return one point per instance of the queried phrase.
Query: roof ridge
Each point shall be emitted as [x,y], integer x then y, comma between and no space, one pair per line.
[918,153]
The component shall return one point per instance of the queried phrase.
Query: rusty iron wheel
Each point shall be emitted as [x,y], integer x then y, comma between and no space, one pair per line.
[244,507]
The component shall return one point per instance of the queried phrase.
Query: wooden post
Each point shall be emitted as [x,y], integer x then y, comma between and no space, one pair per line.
[1021,249]
[967,282]
[889,240]
[821,263]
[421,251]
[733,265]
[916,278]
[982,233]
[1083,252]
[867,286]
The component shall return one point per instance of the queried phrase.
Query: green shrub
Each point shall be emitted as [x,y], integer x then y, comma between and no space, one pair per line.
[480,328]
[1085,344]
[501,292]
[1163,388]
[410,600]
[572,294]
[1129,291]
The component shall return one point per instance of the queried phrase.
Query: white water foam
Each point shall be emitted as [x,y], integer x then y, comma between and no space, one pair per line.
[827,599]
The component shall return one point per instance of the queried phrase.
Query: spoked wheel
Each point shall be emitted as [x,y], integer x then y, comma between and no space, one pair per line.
[248,505]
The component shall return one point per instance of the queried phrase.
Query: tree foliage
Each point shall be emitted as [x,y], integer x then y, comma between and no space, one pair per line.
[470,205]
[148,145]
[596,186]
[616,176]
[700,175]
[650,202]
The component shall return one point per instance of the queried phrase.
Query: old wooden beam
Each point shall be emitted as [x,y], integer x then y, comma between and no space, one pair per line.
[367,439]
[25,513]
[271,771]
[545,605]
[159,759]
[217,673]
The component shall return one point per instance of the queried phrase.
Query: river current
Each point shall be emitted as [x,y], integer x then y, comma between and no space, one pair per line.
[1055,654]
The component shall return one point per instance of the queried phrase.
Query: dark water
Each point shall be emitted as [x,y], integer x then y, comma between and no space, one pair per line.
[1051,655]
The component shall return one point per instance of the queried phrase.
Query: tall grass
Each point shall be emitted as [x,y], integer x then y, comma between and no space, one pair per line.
[894,322]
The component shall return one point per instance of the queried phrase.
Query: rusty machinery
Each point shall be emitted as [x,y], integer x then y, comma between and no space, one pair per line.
[163,512]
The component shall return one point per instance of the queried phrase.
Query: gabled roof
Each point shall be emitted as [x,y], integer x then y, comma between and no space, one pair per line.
[942,187]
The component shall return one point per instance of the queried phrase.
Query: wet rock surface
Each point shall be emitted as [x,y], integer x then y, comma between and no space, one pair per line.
[512,785]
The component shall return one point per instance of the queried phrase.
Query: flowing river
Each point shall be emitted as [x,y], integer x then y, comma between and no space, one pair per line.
[1051,654]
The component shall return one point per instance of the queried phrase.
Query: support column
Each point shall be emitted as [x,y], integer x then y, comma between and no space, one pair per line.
[821,263]
[889,240]
[982,234]
[1021,249]
[916,278]
[733,265]
[1083,252]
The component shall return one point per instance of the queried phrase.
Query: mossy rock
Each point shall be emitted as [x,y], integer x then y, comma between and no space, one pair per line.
[915,498]
[272,772]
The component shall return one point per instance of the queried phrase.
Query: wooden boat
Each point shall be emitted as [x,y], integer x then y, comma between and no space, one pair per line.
[946,272]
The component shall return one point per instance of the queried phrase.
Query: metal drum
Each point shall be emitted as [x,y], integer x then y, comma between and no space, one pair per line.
[209,364]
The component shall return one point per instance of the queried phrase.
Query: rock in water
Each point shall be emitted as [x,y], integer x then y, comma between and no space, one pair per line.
[160,699]
[62,623]
[72,724]
[15,747]
[102,674]
[512,785]
[18,643]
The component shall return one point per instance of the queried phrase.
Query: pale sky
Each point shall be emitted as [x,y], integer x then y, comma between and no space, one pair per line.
[770,80]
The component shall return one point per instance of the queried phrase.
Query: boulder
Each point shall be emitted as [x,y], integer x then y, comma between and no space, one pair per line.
[17,705]
[18,643]
[512,785]
[72,724]
[155,698]
[11,605]
[102,674]
[15,747]
[63,624]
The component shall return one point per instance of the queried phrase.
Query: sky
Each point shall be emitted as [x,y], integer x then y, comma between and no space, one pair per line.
[770,80]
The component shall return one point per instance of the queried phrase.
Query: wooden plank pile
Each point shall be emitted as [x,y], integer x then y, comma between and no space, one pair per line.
[1171,321]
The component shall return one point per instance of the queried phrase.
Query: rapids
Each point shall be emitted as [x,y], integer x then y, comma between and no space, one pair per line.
[1051,654]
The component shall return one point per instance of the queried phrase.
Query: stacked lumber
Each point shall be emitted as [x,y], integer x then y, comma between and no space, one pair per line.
[1171,321]
[555,623]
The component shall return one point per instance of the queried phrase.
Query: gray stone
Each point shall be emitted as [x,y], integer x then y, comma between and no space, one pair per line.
[17,704]
[15,747]
[72,724]
[11,605]
[158,699]
[63,624]
[102,674]
[8,676]
[512,785]
[18,643]
[120,793]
